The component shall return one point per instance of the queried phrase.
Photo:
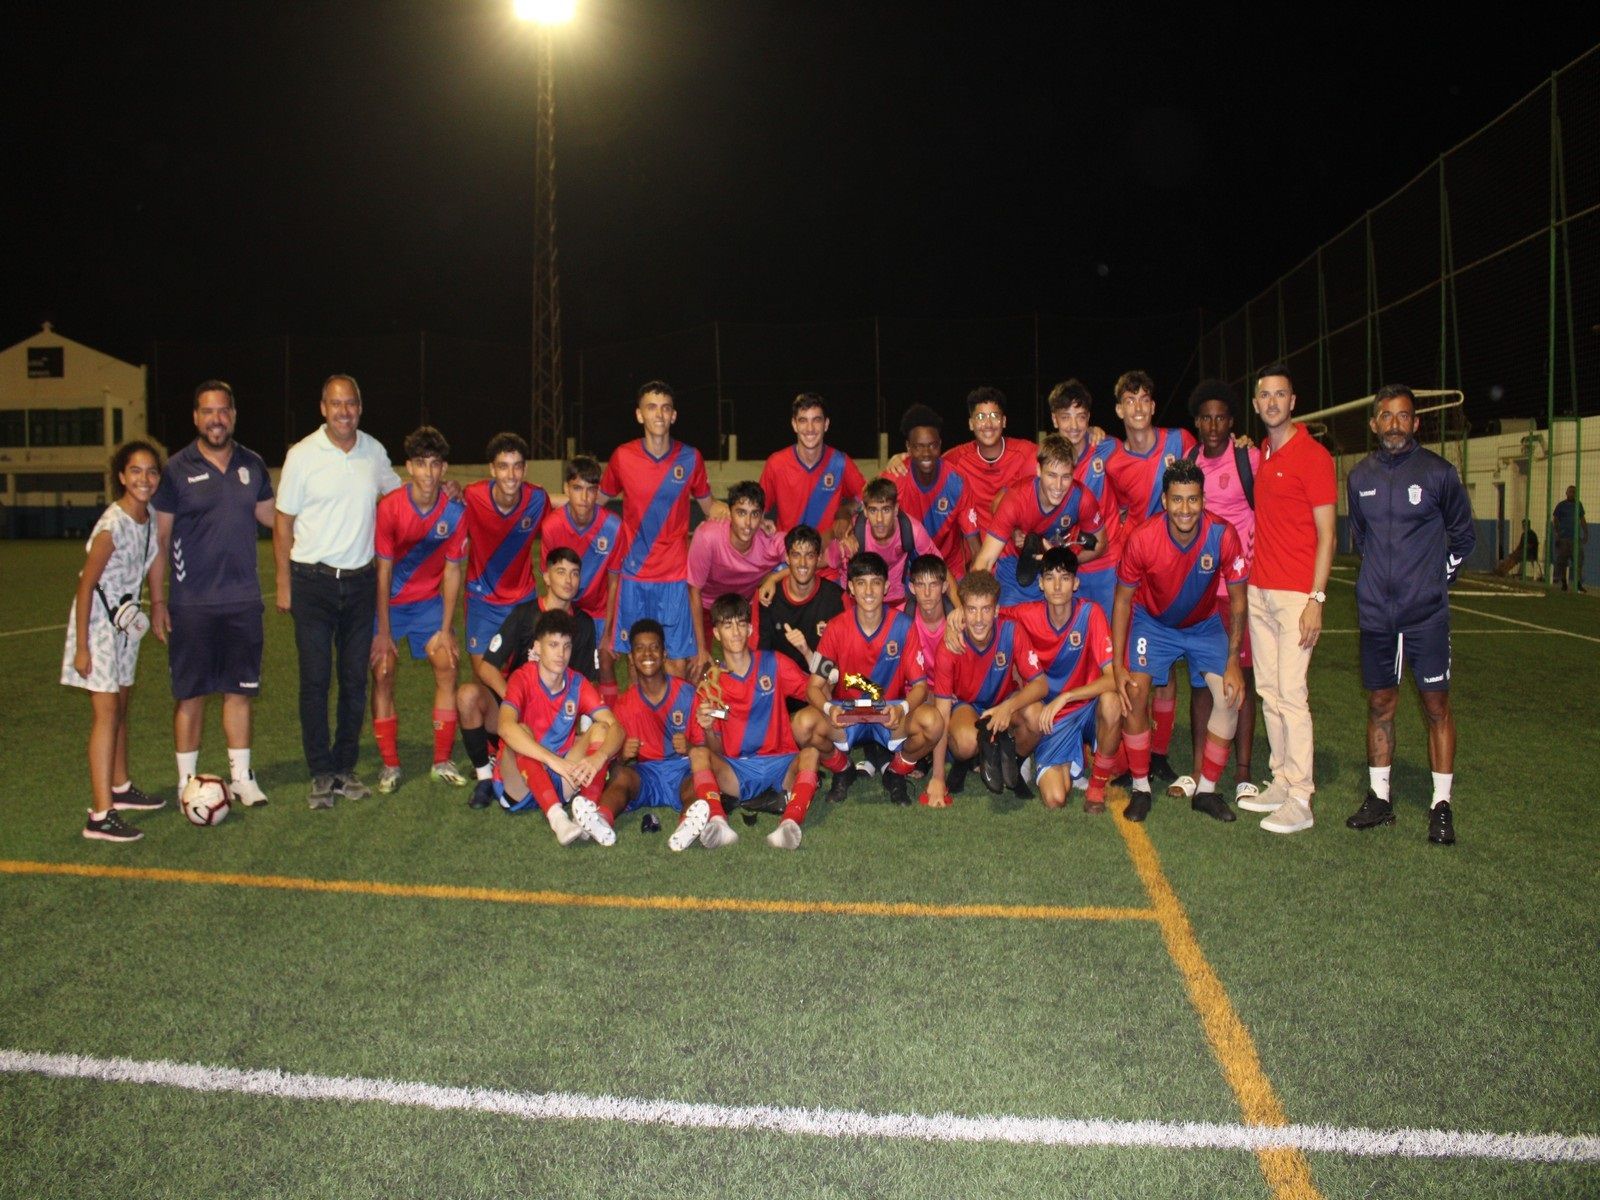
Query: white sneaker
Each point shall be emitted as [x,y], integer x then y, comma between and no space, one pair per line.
[565,828]
[689,827]
[718,833]
[1266,799]
[388,780]
[587,813]
[1080,783]
[786,836]
[248,792]
[448,772]
[1291,816]
[1029,770]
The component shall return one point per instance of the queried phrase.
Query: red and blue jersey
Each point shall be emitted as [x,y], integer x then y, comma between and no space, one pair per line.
[598,544]
[552,716]
[500,543]
[655,724]
[890,656]
[655,507]
[938,508]
[985,479]
[1091,473]
[758,719]
[1022,508]
[1177,584]
[982,676]
[419,543]
[804,495]
[1073,655]
[1138,478]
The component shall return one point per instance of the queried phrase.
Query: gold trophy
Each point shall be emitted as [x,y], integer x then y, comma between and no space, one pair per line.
[869,706]
[710,691]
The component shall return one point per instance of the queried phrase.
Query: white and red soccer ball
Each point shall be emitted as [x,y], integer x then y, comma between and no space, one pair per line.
[206,799]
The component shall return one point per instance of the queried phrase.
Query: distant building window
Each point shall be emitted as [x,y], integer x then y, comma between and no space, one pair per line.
[66,427]
[116,426]
[14,427]
[47,362]
[62,481]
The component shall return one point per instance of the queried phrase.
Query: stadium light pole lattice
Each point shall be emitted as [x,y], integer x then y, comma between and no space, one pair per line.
[548,415]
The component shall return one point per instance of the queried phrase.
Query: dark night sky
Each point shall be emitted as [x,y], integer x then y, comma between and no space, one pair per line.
[216,171]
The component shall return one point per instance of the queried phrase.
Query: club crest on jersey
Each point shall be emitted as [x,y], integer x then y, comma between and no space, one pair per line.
[569,709]
[1097,465]
[494,643]
[602,543]
[828,479]
[244,476]
[527,524]
[1000,660]
[821,625]
[1207,562]
[944,504]
[764,683]
[677,473]
[1224,479]
[1074,639]
[891,649]
[442,529]
[1171,458]
[1414,493]
[677,718]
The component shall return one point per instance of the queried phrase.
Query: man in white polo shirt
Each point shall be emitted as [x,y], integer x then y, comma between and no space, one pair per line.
[323,543]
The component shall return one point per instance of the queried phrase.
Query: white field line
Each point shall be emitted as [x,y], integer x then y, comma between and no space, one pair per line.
[1338,575]
[62,628]
[1478,612]
[818,1122]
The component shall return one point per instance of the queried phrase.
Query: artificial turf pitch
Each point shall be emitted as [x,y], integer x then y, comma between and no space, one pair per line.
[1359,982]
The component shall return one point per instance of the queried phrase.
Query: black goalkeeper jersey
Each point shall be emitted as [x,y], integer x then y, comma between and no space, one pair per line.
[808,617]
[512,645]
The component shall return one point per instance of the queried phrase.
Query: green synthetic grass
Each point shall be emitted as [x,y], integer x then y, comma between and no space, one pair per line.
[1386,982]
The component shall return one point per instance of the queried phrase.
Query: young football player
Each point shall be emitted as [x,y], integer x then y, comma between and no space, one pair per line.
[596,535]
[1070,412]
[930,603]
[793,609]
[869,652]
[504,513]
[976,692]
[932,491]
[1165,610]
[810,483]
[749,748]
[478,700]
[1050,509]
[1071,638]
[735,556]
[421,540]
[544,759]
[657,714]
[657,478]
[884,530]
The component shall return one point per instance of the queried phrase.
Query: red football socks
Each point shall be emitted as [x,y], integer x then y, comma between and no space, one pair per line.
[444,733]
[1164,711]
[900,766]
[1214,758]
[387,731]
[837,761]
[1138,748]
[1099,774]
[609,692]
[705,788]
[805,789]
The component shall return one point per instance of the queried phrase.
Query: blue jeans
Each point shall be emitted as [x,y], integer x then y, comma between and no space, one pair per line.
[332,622]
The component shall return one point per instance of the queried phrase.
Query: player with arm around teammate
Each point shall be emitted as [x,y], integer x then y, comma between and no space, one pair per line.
[596,536]
[421,542]
[1165,610]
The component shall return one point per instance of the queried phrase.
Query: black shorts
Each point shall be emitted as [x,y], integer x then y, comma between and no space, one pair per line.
[215,648]
[1425,649]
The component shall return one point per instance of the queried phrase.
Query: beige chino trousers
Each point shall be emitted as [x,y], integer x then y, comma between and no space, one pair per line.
[1281,666]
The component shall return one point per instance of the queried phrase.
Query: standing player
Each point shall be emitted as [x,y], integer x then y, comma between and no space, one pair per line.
[792,612]
[504,513]
[545,759]
[869,644]
[595,535]
[421,540]
[808,482]
[1071,638]
[882,529]
[735,556]
[214,496]
[478,700]
[1165,610]
[931,491]
[977,697]
[1230,472]
[1053,508]
[750,751]
[656,478]
[1409,515]
[657,715]
[1070,412]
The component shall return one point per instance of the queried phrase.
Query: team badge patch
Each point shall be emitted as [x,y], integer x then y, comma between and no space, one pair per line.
[244,476]
[764,683]
[1171,458]
[1097,465]
[1414,493]
[1074,639]
[1000,659]
[677,473]
[527,524]
[602,543]
[494,643]
[943,505]
[569,709]
[677,717]
[1224,479]
[828,480]
[821,625]
[891,649]
[442,529]
[1207,562]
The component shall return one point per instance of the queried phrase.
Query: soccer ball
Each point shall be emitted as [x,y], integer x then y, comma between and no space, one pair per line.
[205,800]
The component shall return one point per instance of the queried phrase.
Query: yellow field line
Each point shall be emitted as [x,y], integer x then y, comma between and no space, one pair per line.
[439,891]
[1287,1172]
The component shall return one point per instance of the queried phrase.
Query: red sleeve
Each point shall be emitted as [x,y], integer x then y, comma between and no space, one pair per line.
[1188,439]
[1322,485]
[769,485]
[699,486]
[1004,521]
[611,477]
[589,701]
[517,690]
[828,645]
[1130,570]
[1235,569]
[695,734]
[1024,659]
[1089,515]
[456,548]
[853,483]
[1099,638]
[383,540]
[792,681]
[944,672]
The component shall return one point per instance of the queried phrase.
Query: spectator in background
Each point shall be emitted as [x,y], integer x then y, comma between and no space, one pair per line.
[1568,519]
[1525,551]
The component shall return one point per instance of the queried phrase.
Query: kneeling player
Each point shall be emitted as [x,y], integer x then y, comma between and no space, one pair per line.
[749,749]
[977,695]
[421,542]
[1166,610]
[658,725]
[543,758]
[869,653]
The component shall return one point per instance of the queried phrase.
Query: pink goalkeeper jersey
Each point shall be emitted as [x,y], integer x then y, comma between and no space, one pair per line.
[1225,498]
[716,568]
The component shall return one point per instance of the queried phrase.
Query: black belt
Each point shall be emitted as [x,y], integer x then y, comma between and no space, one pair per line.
[333,572]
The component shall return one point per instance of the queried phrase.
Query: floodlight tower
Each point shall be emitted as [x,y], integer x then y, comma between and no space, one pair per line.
[548,413]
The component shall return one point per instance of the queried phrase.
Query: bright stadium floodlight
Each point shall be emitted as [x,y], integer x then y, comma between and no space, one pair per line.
[545,12]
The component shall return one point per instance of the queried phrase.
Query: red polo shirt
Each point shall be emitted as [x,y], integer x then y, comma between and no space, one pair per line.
[1294,479]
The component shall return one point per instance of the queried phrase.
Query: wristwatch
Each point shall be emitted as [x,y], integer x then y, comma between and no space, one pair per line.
[1320,597]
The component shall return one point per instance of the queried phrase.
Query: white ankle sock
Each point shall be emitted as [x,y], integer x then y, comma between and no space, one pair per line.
[188,763]
[1379,777]
[239,764]
[1441,789]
